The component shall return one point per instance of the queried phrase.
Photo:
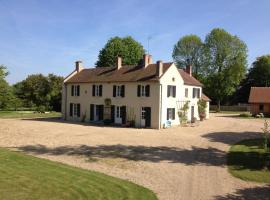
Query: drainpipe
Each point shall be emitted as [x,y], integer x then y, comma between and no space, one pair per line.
[65,101]
[160,107]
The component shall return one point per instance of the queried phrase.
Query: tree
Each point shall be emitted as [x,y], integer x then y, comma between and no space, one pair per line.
[129,49]
[258,76]
[188,51]
[225,61]
[5,90]
[39,90]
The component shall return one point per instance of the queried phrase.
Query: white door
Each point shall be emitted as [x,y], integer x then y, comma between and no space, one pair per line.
[142,117]
[118,118]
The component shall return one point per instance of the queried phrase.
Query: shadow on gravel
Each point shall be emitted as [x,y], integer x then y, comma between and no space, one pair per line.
[256,193]
[231,137]
[60,120]
[193,156]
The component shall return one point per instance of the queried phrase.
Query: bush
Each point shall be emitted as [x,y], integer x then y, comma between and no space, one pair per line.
[41,109]
[107,121]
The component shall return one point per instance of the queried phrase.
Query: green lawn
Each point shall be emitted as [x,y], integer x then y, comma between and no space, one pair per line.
[249,161]
[26,177]
[27,114]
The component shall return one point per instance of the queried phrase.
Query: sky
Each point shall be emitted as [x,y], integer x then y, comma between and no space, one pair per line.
[48,36]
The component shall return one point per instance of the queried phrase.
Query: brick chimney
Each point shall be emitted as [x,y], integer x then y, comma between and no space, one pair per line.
[159,68]
[78,66]
[119,62]
[150,59]
[145,60]
[189,69]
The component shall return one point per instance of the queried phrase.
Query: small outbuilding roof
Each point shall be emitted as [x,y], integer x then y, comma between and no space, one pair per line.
[205,98]
[259,95]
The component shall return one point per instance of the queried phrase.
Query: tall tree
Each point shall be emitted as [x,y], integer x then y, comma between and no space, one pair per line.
[188,51]
[258,76]
[129,49]
[225,61]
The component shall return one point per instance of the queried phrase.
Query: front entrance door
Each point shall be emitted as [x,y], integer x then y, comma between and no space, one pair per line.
[146,117]
[118,117]
[96,112]
[143,117]
[192,113]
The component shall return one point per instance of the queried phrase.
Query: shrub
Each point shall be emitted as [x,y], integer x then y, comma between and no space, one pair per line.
[266,132]
[41,109]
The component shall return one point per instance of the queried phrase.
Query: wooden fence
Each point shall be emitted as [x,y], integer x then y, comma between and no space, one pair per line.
[239,108]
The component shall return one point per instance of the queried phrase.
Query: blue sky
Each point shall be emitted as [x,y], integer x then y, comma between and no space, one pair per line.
[48,36]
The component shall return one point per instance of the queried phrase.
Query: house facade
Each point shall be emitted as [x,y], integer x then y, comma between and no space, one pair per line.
[147,95]
[259,100]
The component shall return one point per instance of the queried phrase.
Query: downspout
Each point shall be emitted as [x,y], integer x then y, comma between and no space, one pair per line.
[160,107]
[65,101]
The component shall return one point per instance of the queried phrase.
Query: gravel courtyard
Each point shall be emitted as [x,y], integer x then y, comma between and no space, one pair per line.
[176,163]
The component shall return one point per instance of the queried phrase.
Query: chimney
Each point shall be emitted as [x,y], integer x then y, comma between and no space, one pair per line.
[145,60]
[159,68]
[150,59]
[189,69]
[119,62]
[78,65]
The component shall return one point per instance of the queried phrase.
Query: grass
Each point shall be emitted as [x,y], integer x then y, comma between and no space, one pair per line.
[27,114]
[26,177]
[248,160]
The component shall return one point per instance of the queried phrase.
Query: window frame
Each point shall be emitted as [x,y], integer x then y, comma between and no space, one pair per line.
[118,112]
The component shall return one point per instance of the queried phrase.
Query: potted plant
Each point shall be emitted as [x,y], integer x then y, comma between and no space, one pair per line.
[201,108]
[182,113]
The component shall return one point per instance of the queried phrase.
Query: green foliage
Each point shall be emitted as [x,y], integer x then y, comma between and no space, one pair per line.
[6,94]
[25,177]
[245,115]
[266,133]
[225,61]
[129,49]
[201,106]
[258,76]
[188,51]
[39,90]
[249,161]
[182,113]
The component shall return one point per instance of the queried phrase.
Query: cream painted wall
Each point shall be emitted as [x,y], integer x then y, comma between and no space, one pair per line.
[158,100]
[130,100]
[172,77]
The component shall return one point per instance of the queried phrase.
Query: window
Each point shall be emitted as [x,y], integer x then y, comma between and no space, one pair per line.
[75,90]
[171,91]
[118,112]
[196,93]
[97,90]
[118,91]
[261,107]
[170,113]
[143,91]
[75,110]
[186,92]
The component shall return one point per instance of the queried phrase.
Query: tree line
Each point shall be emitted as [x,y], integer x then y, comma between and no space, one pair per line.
[37,91]
[219,62]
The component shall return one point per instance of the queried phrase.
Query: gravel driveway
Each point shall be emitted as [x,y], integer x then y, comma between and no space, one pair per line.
[177,163]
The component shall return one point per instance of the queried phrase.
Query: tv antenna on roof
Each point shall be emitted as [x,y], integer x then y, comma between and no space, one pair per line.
[148,41]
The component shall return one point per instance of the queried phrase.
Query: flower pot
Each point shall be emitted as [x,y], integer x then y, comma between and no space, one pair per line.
[202,116]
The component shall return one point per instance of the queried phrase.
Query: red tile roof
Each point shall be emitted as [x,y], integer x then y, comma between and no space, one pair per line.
[189,80]
[205,98]
[259,95]
[124,74]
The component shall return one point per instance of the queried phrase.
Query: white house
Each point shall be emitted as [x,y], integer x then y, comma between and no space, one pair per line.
[146,95]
